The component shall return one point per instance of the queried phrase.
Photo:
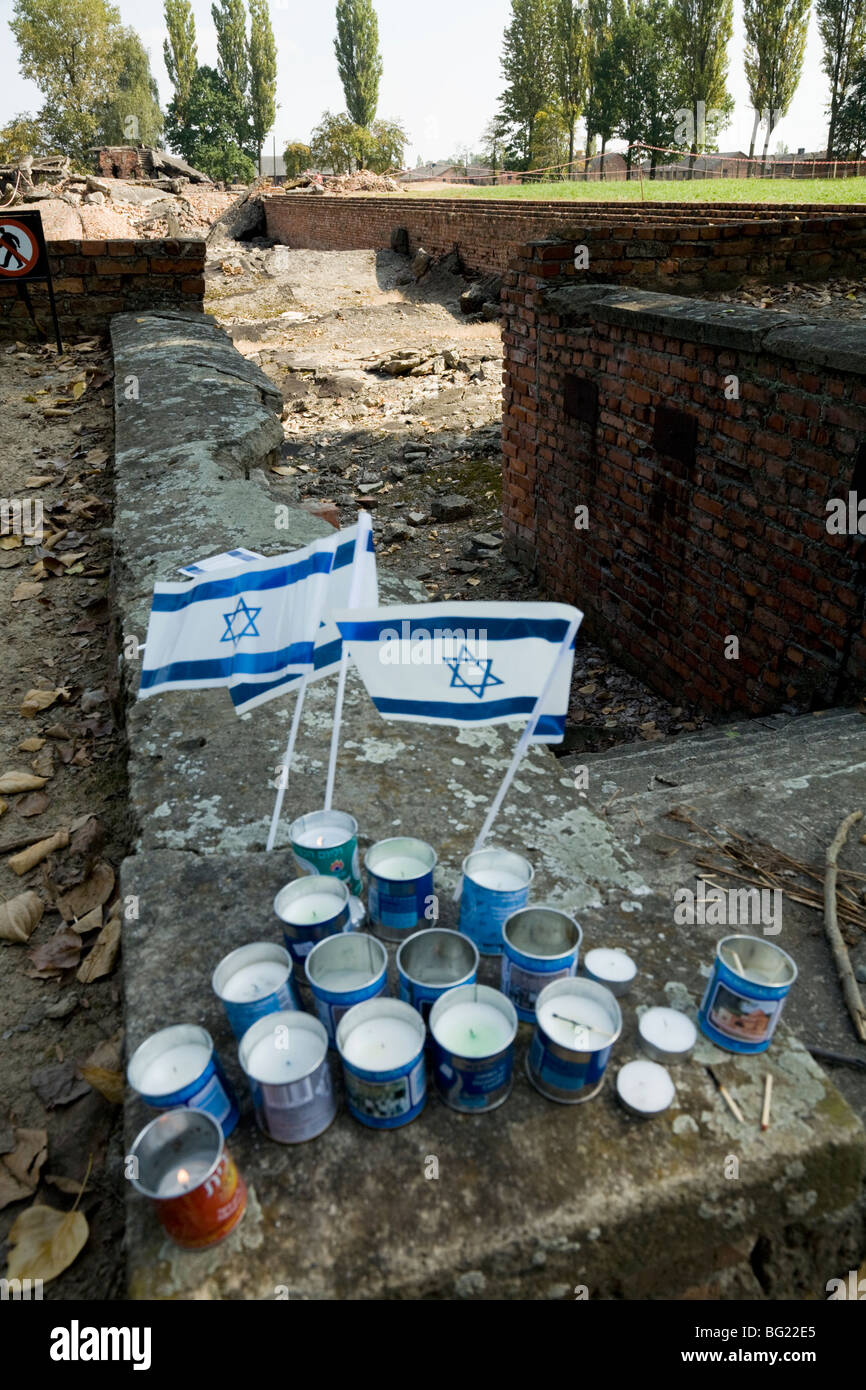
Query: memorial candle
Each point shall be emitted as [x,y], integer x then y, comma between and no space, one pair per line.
[173,1069]
[612,968]
[666,1035]
[645,1088]
[381,1044]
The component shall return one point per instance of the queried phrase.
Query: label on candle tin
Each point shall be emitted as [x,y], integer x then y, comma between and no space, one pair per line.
[329,1013]
[466,1083]
[484,911]
[210,1092]
[399,905]
[243,1016]
[523,986]
[343,862]
[386,1104]
[739,1017]
[299,1110]
[565,1075]
[198,1219]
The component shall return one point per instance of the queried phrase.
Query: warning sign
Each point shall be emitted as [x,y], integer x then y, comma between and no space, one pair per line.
[22,247]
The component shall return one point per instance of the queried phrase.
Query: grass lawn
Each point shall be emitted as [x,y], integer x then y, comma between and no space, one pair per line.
[685,191]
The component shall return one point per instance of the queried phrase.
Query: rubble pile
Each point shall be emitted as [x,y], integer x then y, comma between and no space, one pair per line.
[364,181]
[91,206]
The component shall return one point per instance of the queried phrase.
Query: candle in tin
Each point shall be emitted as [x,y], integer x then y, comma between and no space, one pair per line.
[400,873]
[181,1163]
[253,981]
[540,944]
[432,962]
[326,843]
[746,993]
[381,1045]
[473,1030]
[285,1058]
[612,968]
[666,1035]
[311,909]
[496,884]
[645,1088]
[343,971]
[578,1022]
[178,1067]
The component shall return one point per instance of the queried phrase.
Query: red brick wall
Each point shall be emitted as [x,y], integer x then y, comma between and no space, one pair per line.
[681,554]
[685,246]
[95,279]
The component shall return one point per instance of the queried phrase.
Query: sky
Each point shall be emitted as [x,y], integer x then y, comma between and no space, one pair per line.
[442,75]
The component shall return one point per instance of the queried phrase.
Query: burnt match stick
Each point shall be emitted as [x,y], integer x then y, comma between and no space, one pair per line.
[768,1096]
[727,1097]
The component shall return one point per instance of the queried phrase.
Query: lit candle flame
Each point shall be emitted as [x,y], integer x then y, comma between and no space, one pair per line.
[320,842]
[183,1177]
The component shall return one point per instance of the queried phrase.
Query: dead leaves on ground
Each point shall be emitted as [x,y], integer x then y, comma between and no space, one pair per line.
[20,916]
[44,1242]
[51,959]
[37,700]
[20,781]
[20,1169]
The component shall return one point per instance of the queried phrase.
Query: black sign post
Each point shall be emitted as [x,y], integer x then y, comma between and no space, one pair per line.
[24,258]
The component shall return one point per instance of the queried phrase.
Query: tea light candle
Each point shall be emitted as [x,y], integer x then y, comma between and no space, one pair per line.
[667,1035]
[645,1088]
[612,968]
[401,867]
[174,1069]
[473,1030]
[581,1025]
[314,907]
[284,1055]
[381,1044]
[254,982]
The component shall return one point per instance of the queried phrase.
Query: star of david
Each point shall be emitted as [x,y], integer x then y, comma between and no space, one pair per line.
[249,615]
[484,678]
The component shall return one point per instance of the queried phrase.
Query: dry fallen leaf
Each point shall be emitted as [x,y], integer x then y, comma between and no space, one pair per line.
[28,858]
[68,1185]
[20,781]
[43,763]
[4,805]
[31,745]
[32,804]
[36,700]
[93,892]
[19,917]
[45,1242]
[91,921]
[39,481]
[26,1159]
[10,542]
[108,1083]
[101,959]
[26,590]
[61,952]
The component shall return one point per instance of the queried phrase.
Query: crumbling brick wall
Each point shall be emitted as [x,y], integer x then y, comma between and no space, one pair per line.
[705,440]
[123,162]
[93,280]
[683,246]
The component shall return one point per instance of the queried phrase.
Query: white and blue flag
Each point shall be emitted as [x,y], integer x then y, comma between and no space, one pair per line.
[256,621]
[466,663]
[328,646]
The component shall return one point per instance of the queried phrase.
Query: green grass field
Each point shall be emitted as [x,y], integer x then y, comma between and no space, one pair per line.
[685,191]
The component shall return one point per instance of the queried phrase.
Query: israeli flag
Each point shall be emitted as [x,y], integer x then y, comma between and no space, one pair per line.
[257,620]
[328,646]
[467,663]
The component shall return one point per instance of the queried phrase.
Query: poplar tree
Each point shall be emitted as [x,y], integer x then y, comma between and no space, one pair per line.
[598,39]
[775,47]
[527,63]
[263,73]
[702,30]
[842,26]
[569,64]
[179,50]
[358,58]
[233,62]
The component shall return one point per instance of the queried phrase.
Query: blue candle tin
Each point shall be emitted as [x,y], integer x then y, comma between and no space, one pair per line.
[208,1089]
[325,843]
[242,1013]
[541,944]
[301,936]
[383,1097]
[746,993]
[484,908]
[473,1085]
[300,1109]
[432,962]
[330,967]
[399,905]
[561,1071]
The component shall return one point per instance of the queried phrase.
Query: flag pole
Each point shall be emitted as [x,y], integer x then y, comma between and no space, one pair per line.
[287,762]
[365,526]
[522,746]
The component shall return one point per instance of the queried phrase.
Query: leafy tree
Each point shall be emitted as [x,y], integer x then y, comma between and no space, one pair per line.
[597,18]
[386,149]
[493,141]
[205,133]
[297,157]
[358,58]
[775,46]
[133,114]
[263,73]
[604,108]
[645,88]
[528,68]
[851,122]
[842,26]
[180,50]
[337,144]
[233,63]
[701,31]
[21,136]
[570,54]
[70,49]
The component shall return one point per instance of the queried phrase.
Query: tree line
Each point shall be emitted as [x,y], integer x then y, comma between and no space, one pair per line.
[656,72]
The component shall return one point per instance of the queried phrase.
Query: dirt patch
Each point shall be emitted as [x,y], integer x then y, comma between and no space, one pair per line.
[58,446]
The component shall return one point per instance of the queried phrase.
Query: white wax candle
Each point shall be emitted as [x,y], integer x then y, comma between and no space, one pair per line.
[610,965]
[285,1055]
[341,981]
[314,907]
[254,981]
[382,1044]
[668,1030]
[645,1086]
[400,866]
[174,1069]
[184,1178]
[498,879]
[325,837]
[580,1024]
[473,1029]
